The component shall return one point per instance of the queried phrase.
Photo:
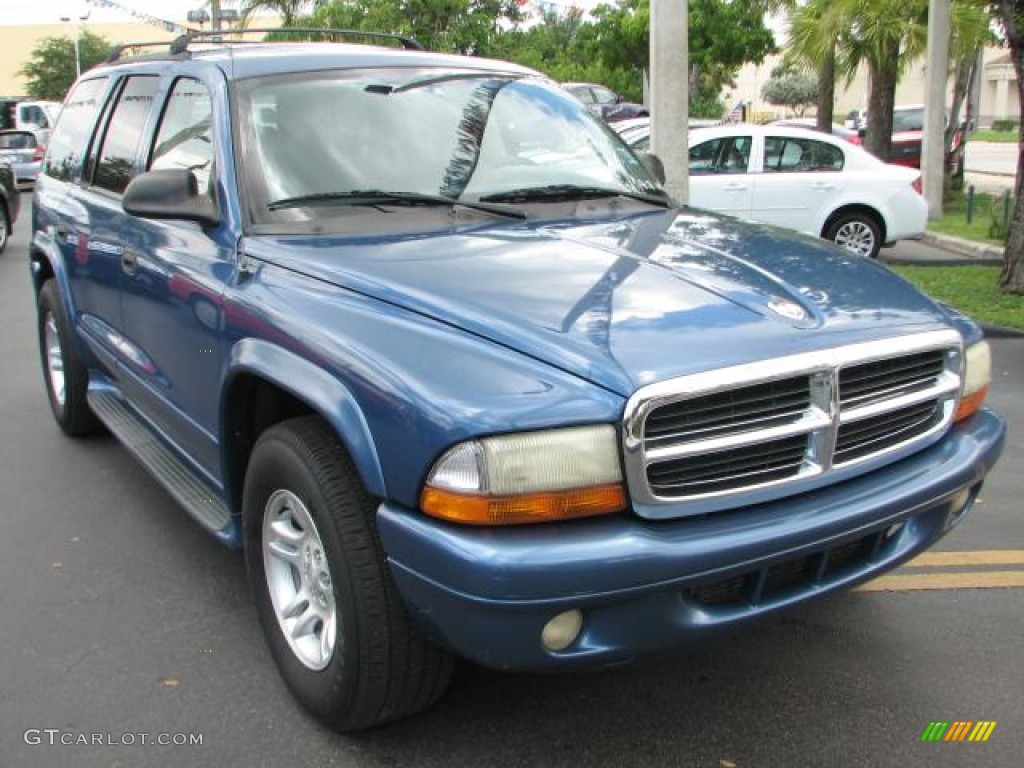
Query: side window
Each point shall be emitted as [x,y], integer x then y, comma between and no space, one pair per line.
[121,141]
[185,137]
[603,95]
[728,154]
[704,156]
[73,128]
[736,155]
[792,155]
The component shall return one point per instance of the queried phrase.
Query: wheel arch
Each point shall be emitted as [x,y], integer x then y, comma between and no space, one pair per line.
[860,208]
[268,384]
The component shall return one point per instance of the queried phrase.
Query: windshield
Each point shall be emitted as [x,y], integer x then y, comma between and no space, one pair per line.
[459,134]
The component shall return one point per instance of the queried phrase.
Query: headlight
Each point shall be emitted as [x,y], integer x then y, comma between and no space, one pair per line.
[529,477]
[977,377]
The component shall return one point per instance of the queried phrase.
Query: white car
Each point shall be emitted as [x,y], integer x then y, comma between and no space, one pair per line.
[803,180]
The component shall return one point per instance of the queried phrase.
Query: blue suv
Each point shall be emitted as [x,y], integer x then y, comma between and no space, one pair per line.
[421,336]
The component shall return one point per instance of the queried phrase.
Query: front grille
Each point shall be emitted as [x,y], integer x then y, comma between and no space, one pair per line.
[787,424]
[760,406]
[880,379]
[862,438]
[729,469]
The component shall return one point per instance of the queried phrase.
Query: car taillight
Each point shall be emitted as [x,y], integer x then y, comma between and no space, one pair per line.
[39,153]
[916,184]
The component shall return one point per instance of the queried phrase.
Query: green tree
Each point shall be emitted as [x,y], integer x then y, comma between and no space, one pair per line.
[462,26]
[1010,14]
[50,70]
[288,10]
[795,90]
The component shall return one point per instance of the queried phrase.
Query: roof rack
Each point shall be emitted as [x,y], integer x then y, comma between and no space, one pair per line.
[116,50]
[181,43]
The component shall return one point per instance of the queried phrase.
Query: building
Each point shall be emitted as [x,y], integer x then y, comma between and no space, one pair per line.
[997,91]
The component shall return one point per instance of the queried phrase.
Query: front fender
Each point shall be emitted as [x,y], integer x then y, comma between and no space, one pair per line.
[316,387]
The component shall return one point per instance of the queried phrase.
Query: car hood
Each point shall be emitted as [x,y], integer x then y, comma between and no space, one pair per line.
[625,300]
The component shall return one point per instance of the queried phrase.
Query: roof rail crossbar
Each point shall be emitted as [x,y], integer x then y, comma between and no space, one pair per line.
[116,50]
[180,44]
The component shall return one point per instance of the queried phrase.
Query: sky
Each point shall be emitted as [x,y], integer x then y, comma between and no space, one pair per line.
[13,12]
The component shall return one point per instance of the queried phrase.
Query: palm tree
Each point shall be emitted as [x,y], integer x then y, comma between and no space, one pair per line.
[288,10]
[813,31]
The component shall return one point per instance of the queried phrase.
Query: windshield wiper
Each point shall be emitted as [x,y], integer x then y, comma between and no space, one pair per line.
[377,196]
[556,192]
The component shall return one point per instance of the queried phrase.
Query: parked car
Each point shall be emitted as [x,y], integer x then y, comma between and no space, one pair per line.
[9,203]
[429,344]
[907,133]
[811,124]
[856,120]
[24,150]
[606,102]
[637,131]
[805,180]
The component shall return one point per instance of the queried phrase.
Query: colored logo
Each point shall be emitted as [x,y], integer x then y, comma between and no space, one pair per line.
[958,730]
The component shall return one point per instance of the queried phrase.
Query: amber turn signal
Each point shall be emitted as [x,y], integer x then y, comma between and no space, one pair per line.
[517,509]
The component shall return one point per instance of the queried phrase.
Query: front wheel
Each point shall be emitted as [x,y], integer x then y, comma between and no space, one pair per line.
[332,617]
[856,232]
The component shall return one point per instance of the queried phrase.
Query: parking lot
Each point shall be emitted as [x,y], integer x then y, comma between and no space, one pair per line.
[120,617]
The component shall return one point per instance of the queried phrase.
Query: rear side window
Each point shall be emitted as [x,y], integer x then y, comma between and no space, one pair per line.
[117,155]
[185,138]
[74,127]
[793,155]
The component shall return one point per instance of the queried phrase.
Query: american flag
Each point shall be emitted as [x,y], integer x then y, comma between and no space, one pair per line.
[735,115]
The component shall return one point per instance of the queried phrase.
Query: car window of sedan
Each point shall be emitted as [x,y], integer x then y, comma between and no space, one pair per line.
[788,154]
[727,154]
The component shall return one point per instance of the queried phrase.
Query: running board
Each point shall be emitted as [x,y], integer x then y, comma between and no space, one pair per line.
[199,498]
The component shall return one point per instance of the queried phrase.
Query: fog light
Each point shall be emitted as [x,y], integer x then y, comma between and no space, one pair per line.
[562,631]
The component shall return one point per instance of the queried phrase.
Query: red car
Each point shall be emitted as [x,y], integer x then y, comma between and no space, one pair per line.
[907,128]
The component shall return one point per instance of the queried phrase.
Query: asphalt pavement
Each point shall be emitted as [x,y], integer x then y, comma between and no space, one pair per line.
[120,617]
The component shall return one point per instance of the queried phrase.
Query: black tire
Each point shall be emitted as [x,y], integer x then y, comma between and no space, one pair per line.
[381,668]
[73,414]
[5,227]
[857,232]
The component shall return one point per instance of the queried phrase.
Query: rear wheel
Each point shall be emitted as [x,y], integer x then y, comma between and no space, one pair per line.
[65,375]
[333,620]
[856,232]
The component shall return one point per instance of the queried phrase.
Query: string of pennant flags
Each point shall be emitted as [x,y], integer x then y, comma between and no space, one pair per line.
[168,26]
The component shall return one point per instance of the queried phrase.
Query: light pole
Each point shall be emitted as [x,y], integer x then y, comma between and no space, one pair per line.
[78,34]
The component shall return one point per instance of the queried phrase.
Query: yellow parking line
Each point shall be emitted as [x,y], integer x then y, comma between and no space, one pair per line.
[977,557]
[898,582]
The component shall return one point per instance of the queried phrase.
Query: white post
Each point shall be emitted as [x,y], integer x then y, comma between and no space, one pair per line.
[78,35]
[933,147]
[670,85]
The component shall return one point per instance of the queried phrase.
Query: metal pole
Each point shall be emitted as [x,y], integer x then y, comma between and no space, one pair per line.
[670,84]
[215,14]
[933,147]
[78,54]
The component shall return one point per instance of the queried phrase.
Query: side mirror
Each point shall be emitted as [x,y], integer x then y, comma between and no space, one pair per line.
[862,132]
[169,194]
[653,164]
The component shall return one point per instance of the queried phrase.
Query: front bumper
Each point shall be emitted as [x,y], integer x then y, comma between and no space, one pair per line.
[648,587]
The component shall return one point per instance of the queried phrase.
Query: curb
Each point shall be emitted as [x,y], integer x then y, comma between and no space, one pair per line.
[975,251]
[1001,332]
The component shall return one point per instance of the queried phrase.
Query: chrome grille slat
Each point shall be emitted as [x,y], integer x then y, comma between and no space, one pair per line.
[880,379]
[736,410]
[764,430]
[864,436]
[734,463]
